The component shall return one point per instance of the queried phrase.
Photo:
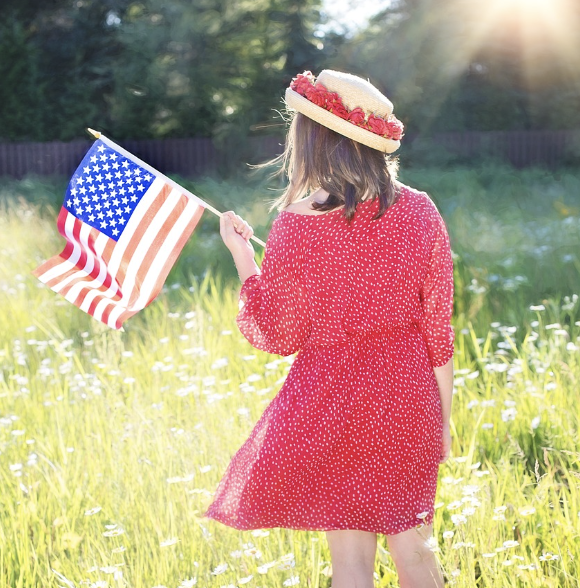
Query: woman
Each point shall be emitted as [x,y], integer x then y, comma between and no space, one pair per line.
[357,277]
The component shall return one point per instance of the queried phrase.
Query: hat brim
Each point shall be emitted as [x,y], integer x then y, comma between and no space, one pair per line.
[335,123]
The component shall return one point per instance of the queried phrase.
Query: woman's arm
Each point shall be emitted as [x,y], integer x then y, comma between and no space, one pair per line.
[444,377]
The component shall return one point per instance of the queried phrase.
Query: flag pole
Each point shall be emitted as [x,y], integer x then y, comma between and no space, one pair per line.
[99,135]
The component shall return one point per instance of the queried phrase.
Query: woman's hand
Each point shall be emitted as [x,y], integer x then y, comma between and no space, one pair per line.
[236,233]
[445,444]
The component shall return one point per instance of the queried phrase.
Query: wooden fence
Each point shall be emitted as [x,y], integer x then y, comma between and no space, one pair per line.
[193,157]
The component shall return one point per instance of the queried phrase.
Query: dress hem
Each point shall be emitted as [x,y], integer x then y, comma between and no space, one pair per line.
[249,527]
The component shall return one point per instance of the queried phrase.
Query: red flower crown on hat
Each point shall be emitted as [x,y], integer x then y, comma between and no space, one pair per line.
[303,84]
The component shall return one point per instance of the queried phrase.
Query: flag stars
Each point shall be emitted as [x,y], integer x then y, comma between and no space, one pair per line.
[134,198]
[101,148]
[131,189]
[140,187]
[148,178]
[100,216]
[106,204]
[69,203]
[119,212]
[109,213]
[115,232]
[106,167]
[125,200]
[101,187]
[118,174]
[86,170]
[122,221]
[127,209]
[76,201]
[115,165]
[73,191]
[95,197]
[125,163]
[88,208]
[116,202]
[91,218]
[85,199]
[92,189]
[80,181]
[103,158]
[122,191]
[128,173]
[96,168]
[94,159]
[79,211]
[104,224]
[83,190]
[98,206]
[89,179]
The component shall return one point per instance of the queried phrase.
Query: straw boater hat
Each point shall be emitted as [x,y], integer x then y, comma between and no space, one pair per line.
[348,105]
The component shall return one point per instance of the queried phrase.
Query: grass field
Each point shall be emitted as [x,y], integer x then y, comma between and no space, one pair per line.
[112,443]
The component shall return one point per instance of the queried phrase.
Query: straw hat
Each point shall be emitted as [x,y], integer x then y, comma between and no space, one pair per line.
[348,105]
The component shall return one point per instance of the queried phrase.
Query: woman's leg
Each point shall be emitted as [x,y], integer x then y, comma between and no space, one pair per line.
[353,558]
[416,563]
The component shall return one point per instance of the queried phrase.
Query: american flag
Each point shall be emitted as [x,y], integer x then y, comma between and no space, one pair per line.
[125,224]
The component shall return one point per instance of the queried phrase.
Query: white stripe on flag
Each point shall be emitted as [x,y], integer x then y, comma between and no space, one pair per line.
[84,235]
[63,267]
[119,250]
[137,258]
[161,257]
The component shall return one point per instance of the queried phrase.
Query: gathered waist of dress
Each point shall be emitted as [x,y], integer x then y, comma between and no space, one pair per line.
[384,332]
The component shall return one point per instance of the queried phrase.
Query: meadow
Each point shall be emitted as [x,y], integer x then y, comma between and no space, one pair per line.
[111,443]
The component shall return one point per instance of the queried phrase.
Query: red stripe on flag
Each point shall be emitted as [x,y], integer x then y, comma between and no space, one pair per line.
[167,266]
[66,252]
[140,230]
[150,256]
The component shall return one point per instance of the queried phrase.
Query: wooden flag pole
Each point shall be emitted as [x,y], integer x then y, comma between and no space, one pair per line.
[112,144]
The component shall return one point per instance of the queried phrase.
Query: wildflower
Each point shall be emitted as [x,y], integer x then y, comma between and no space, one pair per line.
[263,569]
[204,469]
[458,519]
[113,533]
[489,554]
[527,510]
[188,583]
[245,580]
[169,542]
[547,556]
[535,422]
[292,581]
[423,515]
[220,569]
[538,307]
[508,544]
[92,511]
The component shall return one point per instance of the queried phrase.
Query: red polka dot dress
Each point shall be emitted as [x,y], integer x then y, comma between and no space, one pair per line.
[352,440]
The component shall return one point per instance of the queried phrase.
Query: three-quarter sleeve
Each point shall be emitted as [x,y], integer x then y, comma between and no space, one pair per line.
[437,297]
[273,305]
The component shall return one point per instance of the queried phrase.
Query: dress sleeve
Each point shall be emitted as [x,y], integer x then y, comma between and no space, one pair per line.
[437,298]
[273,305]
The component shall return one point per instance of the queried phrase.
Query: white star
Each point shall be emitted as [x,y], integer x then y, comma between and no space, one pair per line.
[125,163]
[127,210]
[115,165]
[69,203]
[128,173]
[73,191]
[115,232]
[91,218]
[113,222]
[98,206]
[99,178]
[90,179]
[118,174]
[131,189]
[109,213]
[137,171]
[86,170]
[102,187]
[79,211]
[113,156]
[76,201]
[106,204]
[124,200]
[118,212]
[103,158]
[122,191]
[140,187]
[95,197]
[100,216]
[92,189]
[93,159]
[106,166]
[104,224]
[122,221]
[115,202]
[89,208]
[108,176]
[147,177]
[133,198]
[100,148]
[86,199]
[96,168]
[80,181]
[83,190]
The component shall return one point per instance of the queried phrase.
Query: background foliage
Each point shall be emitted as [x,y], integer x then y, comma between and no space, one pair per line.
[218,68]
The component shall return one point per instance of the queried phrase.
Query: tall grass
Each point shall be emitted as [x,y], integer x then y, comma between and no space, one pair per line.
[112,443]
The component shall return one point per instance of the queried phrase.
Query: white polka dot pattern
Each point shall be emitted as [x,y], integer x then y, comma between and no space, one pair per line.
[352,439]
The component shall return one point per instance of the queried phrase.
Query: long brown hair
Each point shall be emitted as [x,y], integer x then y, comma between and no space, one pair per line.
[315,156]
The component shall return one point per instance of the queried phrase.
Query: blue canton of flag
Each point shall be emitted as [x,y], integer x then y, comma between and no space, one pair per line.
[105,189]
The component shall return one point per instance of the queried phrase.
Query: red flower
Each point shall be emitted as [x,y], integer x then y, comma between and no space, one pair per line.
[395,128]
[377,125]
[357,116]
[302,82]
[340,110]
[317,95]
